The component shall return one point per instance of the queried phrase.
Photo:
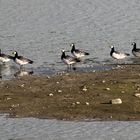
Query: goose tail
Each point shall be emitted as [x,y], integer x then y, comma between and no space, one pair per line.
[127,54]
[86,53]
[31,62]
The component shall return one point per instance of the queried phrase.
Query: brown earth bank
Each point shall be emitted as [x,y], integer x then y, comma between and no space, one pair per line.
[74,95]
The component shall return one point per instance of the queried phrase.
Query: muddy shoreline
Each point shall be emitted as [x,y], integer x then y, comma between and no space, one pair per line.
[74,95]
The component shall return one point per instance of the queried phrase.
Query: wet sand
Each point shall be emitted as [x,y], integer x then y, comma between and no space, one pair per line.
[74,95]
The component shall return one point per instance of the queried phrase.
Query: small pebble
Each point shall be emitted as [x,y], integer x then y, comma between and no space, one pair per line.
[15,105]
[103,81]
[138,88]
[137,95]
[116,101]
[87,103]
[57,82]
[122,91]
[108,89]
[73,104]
[50,94]
[22,85]
[85,88]
[48,77]
[43,107]
[8,98]
[77,103]
[59,91]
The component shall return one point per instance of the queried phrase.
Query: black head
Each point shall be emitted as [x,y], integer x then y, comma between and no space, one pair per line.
[63,51]
[134,45]
[112,49]
[15,53]
[72,44]
[73,47]
[63,54]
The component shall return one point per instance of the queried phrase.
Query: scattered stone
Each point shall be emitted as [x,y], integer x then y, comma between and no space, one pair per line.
[116,101]
[57,82]
[59,91]
[103,81]
[73,104]
[85,88]
[67,74]
[16,105]
[78,103]
[138,88]
[48,77]
[50,94]
[43,107]
[22,85]
[87,103]
[137,95]
[108,89]
[115,82]
[118,66]
[8,98]
[122,91]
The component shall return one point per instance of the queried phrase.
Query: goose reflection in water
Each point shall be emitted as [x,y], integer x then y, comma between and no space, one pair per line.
[22,73]
[5,71]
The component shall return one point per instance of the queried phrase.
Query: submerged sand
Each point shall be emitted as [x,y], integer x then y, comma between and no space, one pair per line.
[74,95]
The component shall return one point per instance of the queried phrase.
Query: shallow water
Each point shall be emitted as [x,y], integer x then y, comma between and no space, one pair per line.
[39,30]
[42,129]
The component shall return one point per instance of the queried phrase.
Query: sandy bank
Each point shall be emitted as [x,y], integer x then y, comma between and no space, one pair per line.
[75,95]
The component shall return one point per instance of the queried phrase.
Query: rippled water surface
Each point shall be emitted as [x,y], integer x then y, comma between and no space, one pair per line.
[36,129]
[40,29]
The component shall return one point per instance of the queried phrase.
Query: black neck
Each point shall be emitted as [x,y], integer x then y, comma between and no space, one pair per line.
[63,55]
[16,55]
[112,50]
[134,46]
[73,48]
